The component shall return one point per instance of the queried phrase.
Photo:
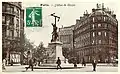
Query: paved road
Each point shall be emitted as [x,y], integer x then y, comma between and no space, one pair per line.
[80,69]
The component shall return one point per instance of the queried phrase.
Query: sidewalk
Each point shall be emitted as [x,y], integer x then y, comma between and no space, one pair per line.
[46,66]
[54,66]
[101,64]
[65,69]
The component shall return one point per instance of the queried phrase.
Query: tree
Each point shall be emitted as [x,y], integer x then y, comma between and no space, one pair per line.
[65,52]
[40,52]
[27,47]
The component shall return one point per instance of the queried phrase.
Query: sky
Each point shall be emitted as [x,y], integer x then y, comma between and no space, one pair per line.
[68,16]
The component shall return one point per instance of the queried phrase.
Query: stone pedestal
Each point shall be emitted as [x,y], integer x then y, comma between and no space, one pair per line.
[55,52]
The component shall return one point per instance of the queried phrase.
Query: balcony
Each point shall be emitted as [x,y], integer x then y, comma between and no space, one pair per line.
[11,13]
[18,4]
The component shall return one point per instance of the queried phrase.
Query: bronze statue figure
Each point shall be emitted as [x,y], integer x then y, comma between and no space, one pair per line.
[54,33]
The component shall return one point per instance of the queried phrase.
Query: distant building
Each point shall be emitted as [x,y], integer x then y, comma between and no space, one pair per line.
[12,31]
[66,37]
[96,35]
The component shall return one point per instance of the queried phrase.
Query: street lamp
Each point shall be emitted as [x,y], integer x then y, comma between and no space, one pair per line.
[74,52]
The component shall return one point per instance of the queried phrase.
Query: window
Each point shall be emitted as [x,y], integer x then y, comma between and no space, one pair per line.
[105,34]
[93,42]
[12,9]
[15,33]
[93,19]
[99,41]
[3,7]
[65,39]
[93,26]
[7,33]
[11,20]
[7,20]
[10,33]
[93,34]
[105,25]
[99,18]
[99,33]
[104,18]
[8,8]
[3,19]
[96,41]
[17,24]
[18,12]
[99,25]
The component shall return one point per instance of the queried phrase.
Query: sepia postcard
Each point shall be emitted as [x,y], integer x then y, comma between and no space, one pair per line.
[60,36]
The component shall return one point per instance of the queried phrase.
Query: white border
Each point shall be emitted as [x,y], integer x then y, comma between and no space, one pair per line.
[117,1]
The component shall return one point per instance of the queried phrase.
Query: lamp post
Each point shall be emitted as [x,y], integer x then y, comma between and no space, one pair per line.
[74,51]
[8,52]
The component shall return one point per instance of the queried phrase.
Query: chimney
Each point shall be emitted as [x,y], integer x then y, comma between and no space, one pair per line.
[102,5]
[81,18]
[86,14]
[93,10]
[109,12]
[114,16]
[62,26]
[77,20]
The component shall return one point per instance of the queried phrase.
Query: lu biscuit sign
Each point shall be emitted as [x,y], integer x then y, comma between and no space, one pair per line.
[34,17]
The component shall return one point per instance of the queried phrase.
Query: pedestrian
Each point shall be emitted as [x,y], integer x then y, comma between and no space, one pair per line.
[94,63]
[83,62]
[30,65]
[58,63]
[11,62]
[4,64]
[75,63]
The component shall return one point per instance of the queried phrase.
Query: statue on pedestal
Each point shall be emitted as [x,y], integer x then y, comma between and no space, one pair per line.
[55,45]
[54,33]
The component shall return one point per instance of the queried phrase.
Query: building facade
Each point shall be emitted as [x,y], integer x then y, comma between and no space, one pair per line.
[66,37]
[12,31]
[96,35]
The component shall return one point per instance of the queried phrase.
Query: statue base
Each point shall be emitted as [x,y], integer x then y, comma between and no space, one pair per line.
[55,52]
